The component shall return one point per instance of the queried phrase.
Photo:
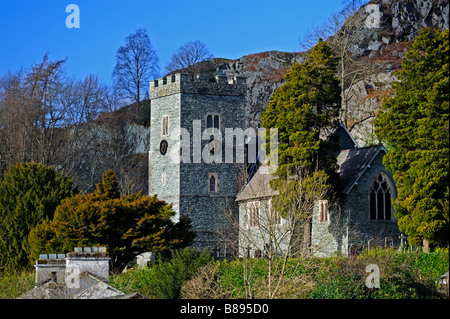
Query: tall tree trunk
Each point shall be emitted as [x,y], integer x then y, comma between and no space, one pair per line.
[307,237]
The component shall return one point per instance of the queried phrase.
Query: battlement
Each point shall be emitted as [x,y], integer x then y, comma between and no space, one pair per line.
[201,84]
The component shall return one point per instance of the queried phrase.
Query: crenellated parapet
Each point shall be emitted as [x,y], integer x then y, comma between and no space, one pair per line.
[201,84]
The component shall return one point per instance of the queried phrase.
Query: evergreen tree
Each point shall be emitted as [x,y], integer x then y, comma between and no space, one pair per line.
[414,124]
[302,110]
[29,194]
[108,187]
[127,225]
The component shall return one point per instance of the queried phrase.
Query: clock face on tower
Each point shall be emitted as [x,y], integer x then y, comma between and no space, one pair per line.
[163,147]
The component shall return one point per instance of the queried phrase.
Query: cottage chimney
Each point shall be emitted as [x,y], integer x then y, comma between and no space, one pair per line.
[93,260]
[50,268]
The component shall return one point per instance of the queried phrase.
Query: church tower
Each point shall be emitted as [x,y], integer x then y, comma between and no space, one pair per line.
[191,166]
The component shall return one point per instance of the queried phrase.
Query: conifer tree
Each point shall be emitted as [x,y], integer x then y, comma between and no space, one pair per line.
[29,194]
[127,225]
[302,110]
[108,187]
[414,125]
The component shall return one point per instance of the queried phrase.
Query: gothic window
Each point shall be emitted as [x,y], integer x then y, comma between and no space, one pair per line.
[213,183]
[323,211]
[209,121]
[165,125]
[216,121]
[380,203]
[213,121]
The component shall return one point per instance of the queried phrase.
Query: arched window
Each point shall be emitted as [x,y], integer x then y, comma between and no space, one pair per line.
[209,121]
[216,121]
[213,122]
[380,199]
[213,183]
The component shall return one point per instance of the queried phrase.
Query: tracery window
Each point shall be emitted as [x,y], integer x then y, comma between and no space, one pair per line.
[380,199]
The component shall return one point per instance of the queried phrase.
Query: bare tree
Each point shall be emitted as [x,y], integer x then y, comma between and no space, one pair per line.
[188,57]
[43,115]
[136,64]
[276,226]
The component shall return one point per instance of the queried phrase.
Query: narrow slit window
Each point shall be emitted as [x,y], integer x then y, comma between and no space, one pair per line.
[209,121]
[212,184]
[165,125]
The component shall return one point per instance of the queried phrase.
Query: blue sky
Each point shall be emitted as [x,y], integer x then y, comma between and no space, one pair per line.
[230,29]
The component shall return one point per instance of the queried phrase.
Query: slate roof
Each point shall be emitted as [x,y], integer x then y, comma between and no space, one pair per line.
[354,162]
[91,287]
[258,186]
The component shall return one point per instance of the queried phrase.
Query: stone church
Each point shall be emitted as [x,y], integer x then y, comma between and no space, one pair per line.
[195,166]
[362,215]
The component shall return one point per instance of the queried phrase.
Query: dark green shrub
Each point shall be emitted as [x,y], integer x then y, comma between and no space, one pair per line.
[164,278]
[402,276]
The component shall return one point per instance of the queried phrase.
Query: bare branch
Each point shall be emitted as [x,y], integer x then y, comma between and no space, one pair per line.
[188,57]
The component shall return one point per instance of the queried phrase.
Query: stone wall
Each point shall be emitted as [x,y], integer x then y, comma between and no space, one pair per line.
[167,188]
[349,225]
[187,102]
[356,205]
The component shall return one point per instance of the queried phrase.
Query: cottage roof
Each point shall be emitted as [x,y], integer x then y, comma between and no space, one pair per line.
[91,287]
[354,162]
[52,276]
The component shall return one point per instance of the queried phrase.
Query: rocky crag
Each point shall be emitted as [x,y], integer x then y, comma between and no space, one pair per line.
[383,28]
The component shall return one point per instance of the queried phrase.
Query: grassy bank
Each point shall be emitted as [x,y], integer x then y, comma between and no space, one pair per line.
[401,275]
[193,274]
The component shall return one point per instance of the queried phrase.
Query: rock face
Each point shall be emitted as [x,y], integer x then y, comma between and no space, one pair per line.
[383,30]
[382,22]
[264,73]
